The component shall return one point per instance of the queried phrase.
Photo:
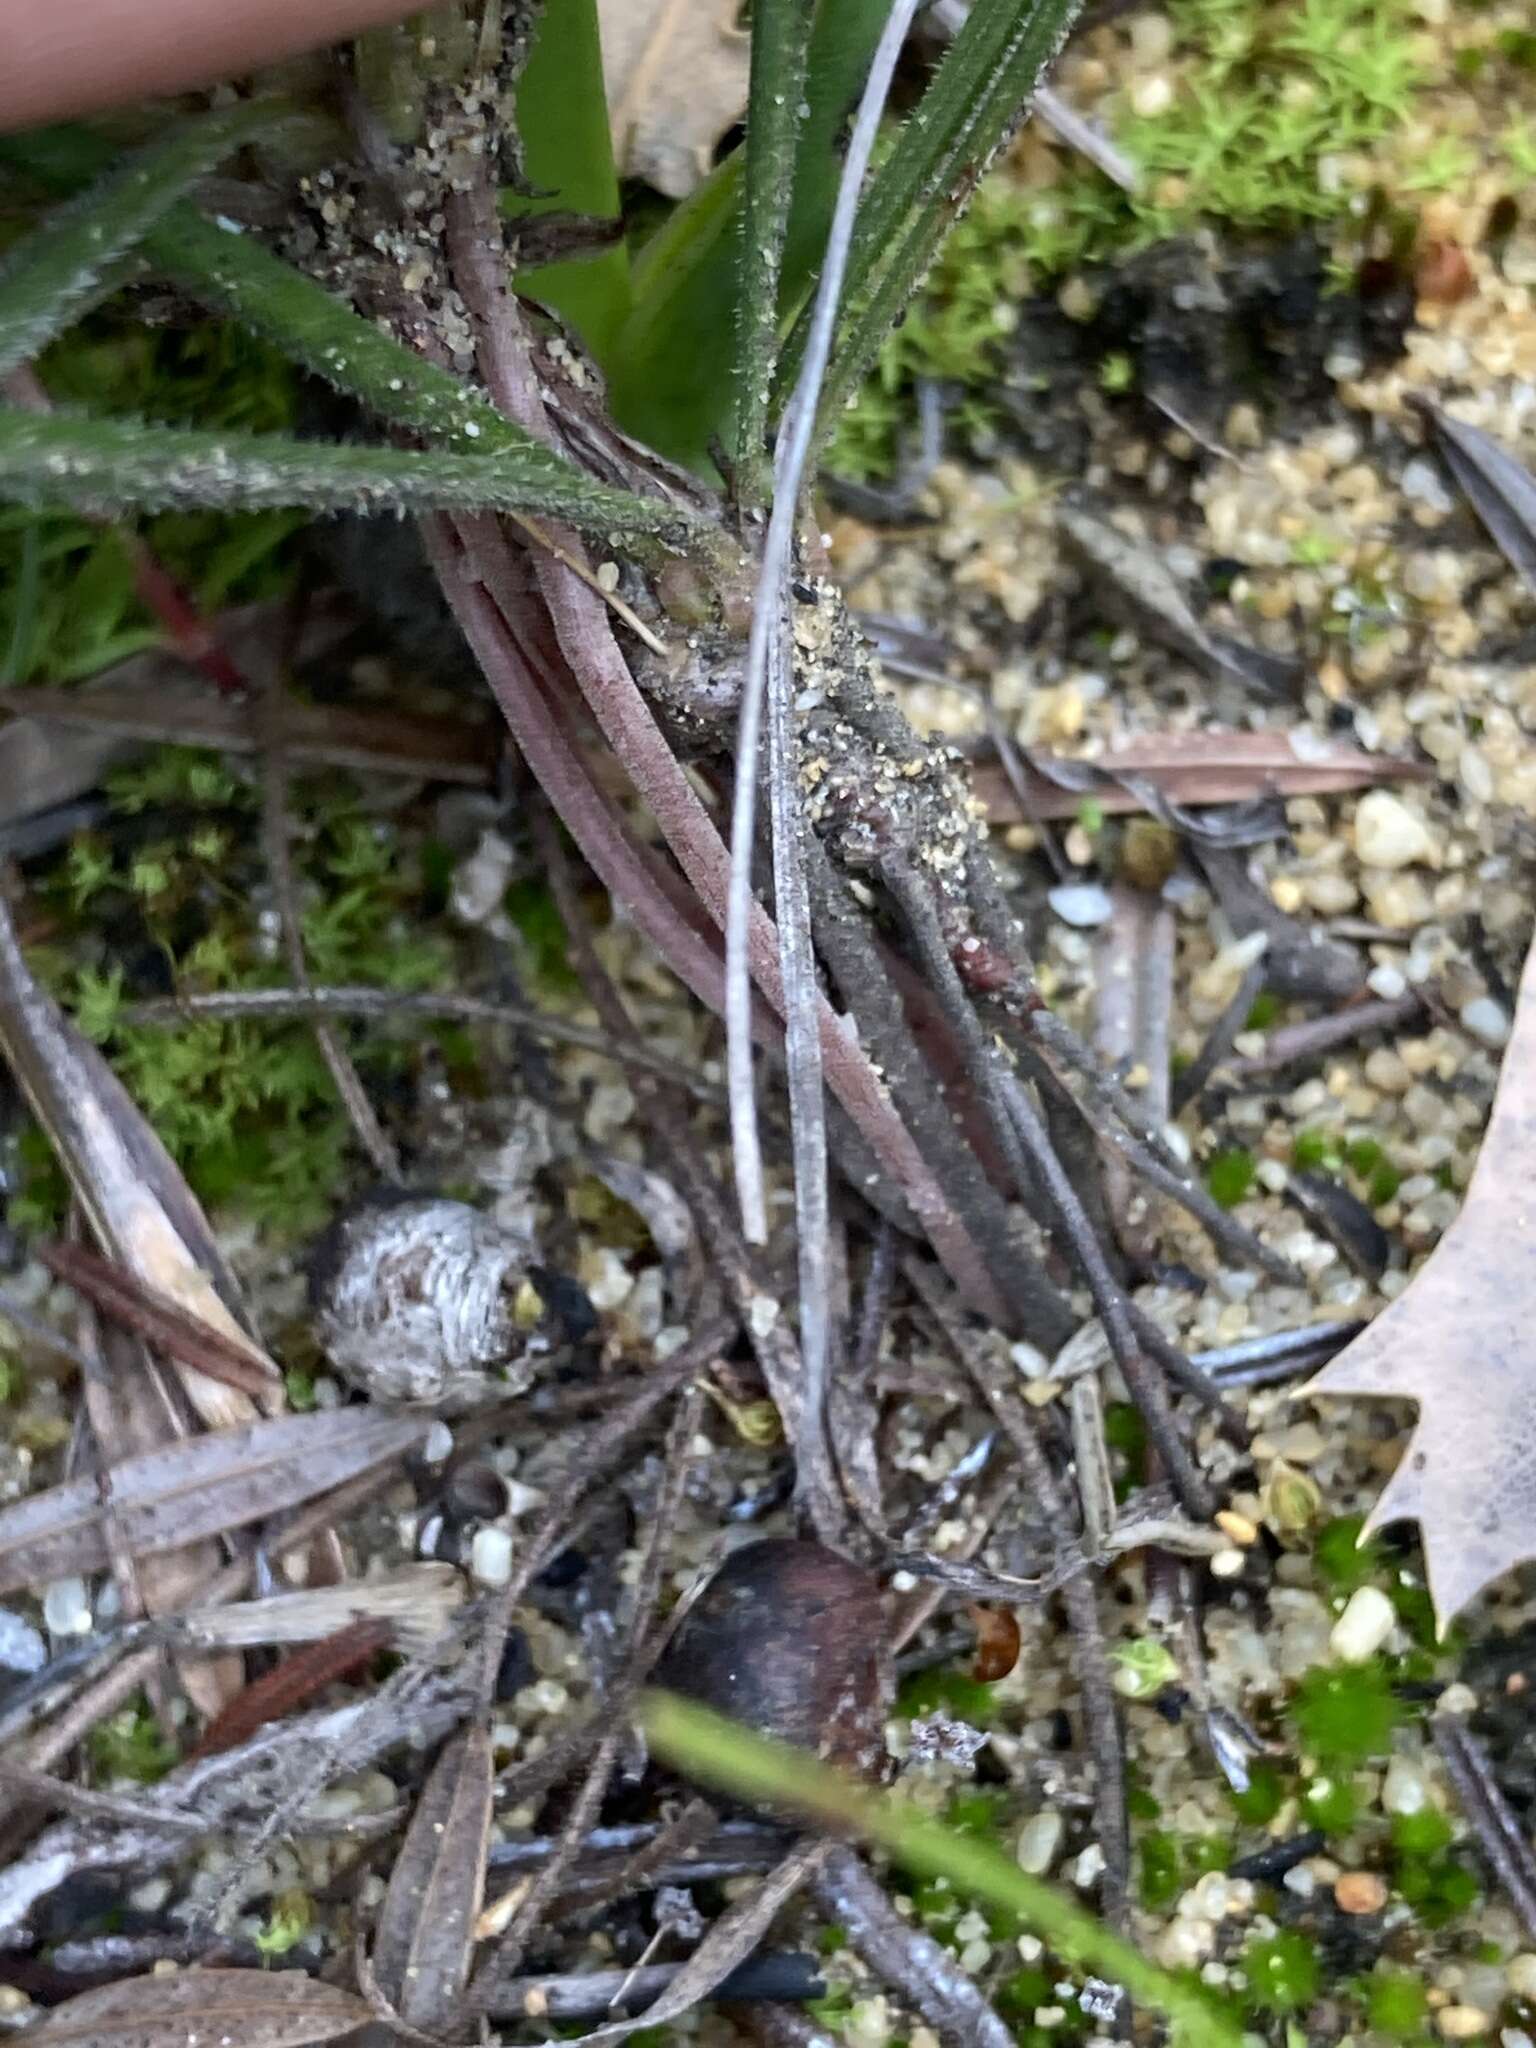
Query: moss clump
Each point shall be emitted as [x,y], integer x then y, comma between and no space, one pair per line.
[1282,1971]
[247,1109]
[1229,1176]
[1346,1715]
[131,1744]
[68,603]
[1266,97]
[1397,2004]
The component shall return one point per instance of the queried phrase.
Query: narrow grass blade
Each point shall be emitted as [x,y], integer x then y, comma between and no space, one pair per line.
[987,77]
[733,1759]
[51,275]
[670,379]
[67,460]
[229,272]
[562,124]
[780,32]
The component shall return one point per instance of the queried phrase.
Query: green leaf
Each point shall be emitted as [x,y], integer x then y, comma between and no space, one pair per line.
[51,275]
[780,32]
[670,378]
[64,459]
[229,272]
[717,1752]
[988,75]
[562,123]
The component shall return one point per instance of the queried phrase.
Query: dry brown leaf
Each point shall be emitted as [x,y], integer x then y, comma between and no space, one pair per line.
[1190,768]
[426,1934]
[200,1487]
[257,2008]
[676,74]
[1457,1341]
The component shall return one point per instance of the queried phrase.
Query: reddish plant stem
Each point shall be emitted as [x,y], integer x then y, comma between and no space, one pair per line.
[595,660]
[164,1324]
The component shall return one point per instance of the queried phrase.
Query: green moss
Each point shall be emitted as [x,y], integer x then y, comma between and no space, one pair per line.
[1346,1715]
[1168,1864]
[1343,1561]
[928,1692]
[1229,1176]
[1331,1803]
[68,603]
[1396,2003]
[1436,1883]
[1262,1797]
[130,1744]
[247,1108]
[1282,1971]
[1265,93]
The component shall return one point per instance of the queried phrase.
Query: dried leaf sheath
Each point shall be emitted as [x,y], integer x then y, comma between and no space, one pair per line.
[1458,1342]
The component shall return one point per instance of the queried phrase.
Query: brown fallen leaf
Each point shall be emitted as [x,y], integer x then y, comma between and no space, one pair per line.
[256,2008]
[676,73]
[1457,1341]
[199,1487]
[425,1939]
[1189,768]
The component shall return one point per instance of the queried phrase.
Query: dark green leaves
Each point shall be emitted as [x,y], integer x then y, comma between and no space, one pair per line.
[67,460]
[55,272]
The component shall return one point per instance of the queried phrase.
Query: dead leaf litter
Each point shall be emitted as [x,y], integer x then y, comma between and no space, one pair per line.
[1332,541]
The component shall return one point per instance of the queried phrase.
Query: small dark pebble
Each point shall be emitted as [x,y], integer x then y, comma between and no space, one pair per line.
[1265,1865]
[790,1638]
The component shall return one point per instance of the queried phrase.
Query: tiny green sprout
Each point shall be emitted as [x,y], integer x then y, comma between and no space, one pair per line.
[299,1386]
[1519,145]
[1090,815]
[290,1920]
[1330,1803]
[1314,549]
[1142,1668]
[1316,1150]
[1229,1176]
[1282,1971]
[1117,373]
[129,1744]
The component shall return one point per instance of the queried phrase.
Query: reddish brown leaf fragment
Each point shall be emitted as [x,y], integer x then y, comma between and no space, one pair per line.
[997,1643]
[293,1682]
[256,2008]
[166,1325]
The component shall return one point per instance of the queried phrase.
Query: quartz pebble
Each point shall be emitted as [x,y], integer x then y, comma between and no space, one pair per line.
[1363,1627]
[1484,1020]
[1462,2022]
[22,1649]
[1081,904]
[1387,834]
[1040,1841]
[490,1557]
[66,1609]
